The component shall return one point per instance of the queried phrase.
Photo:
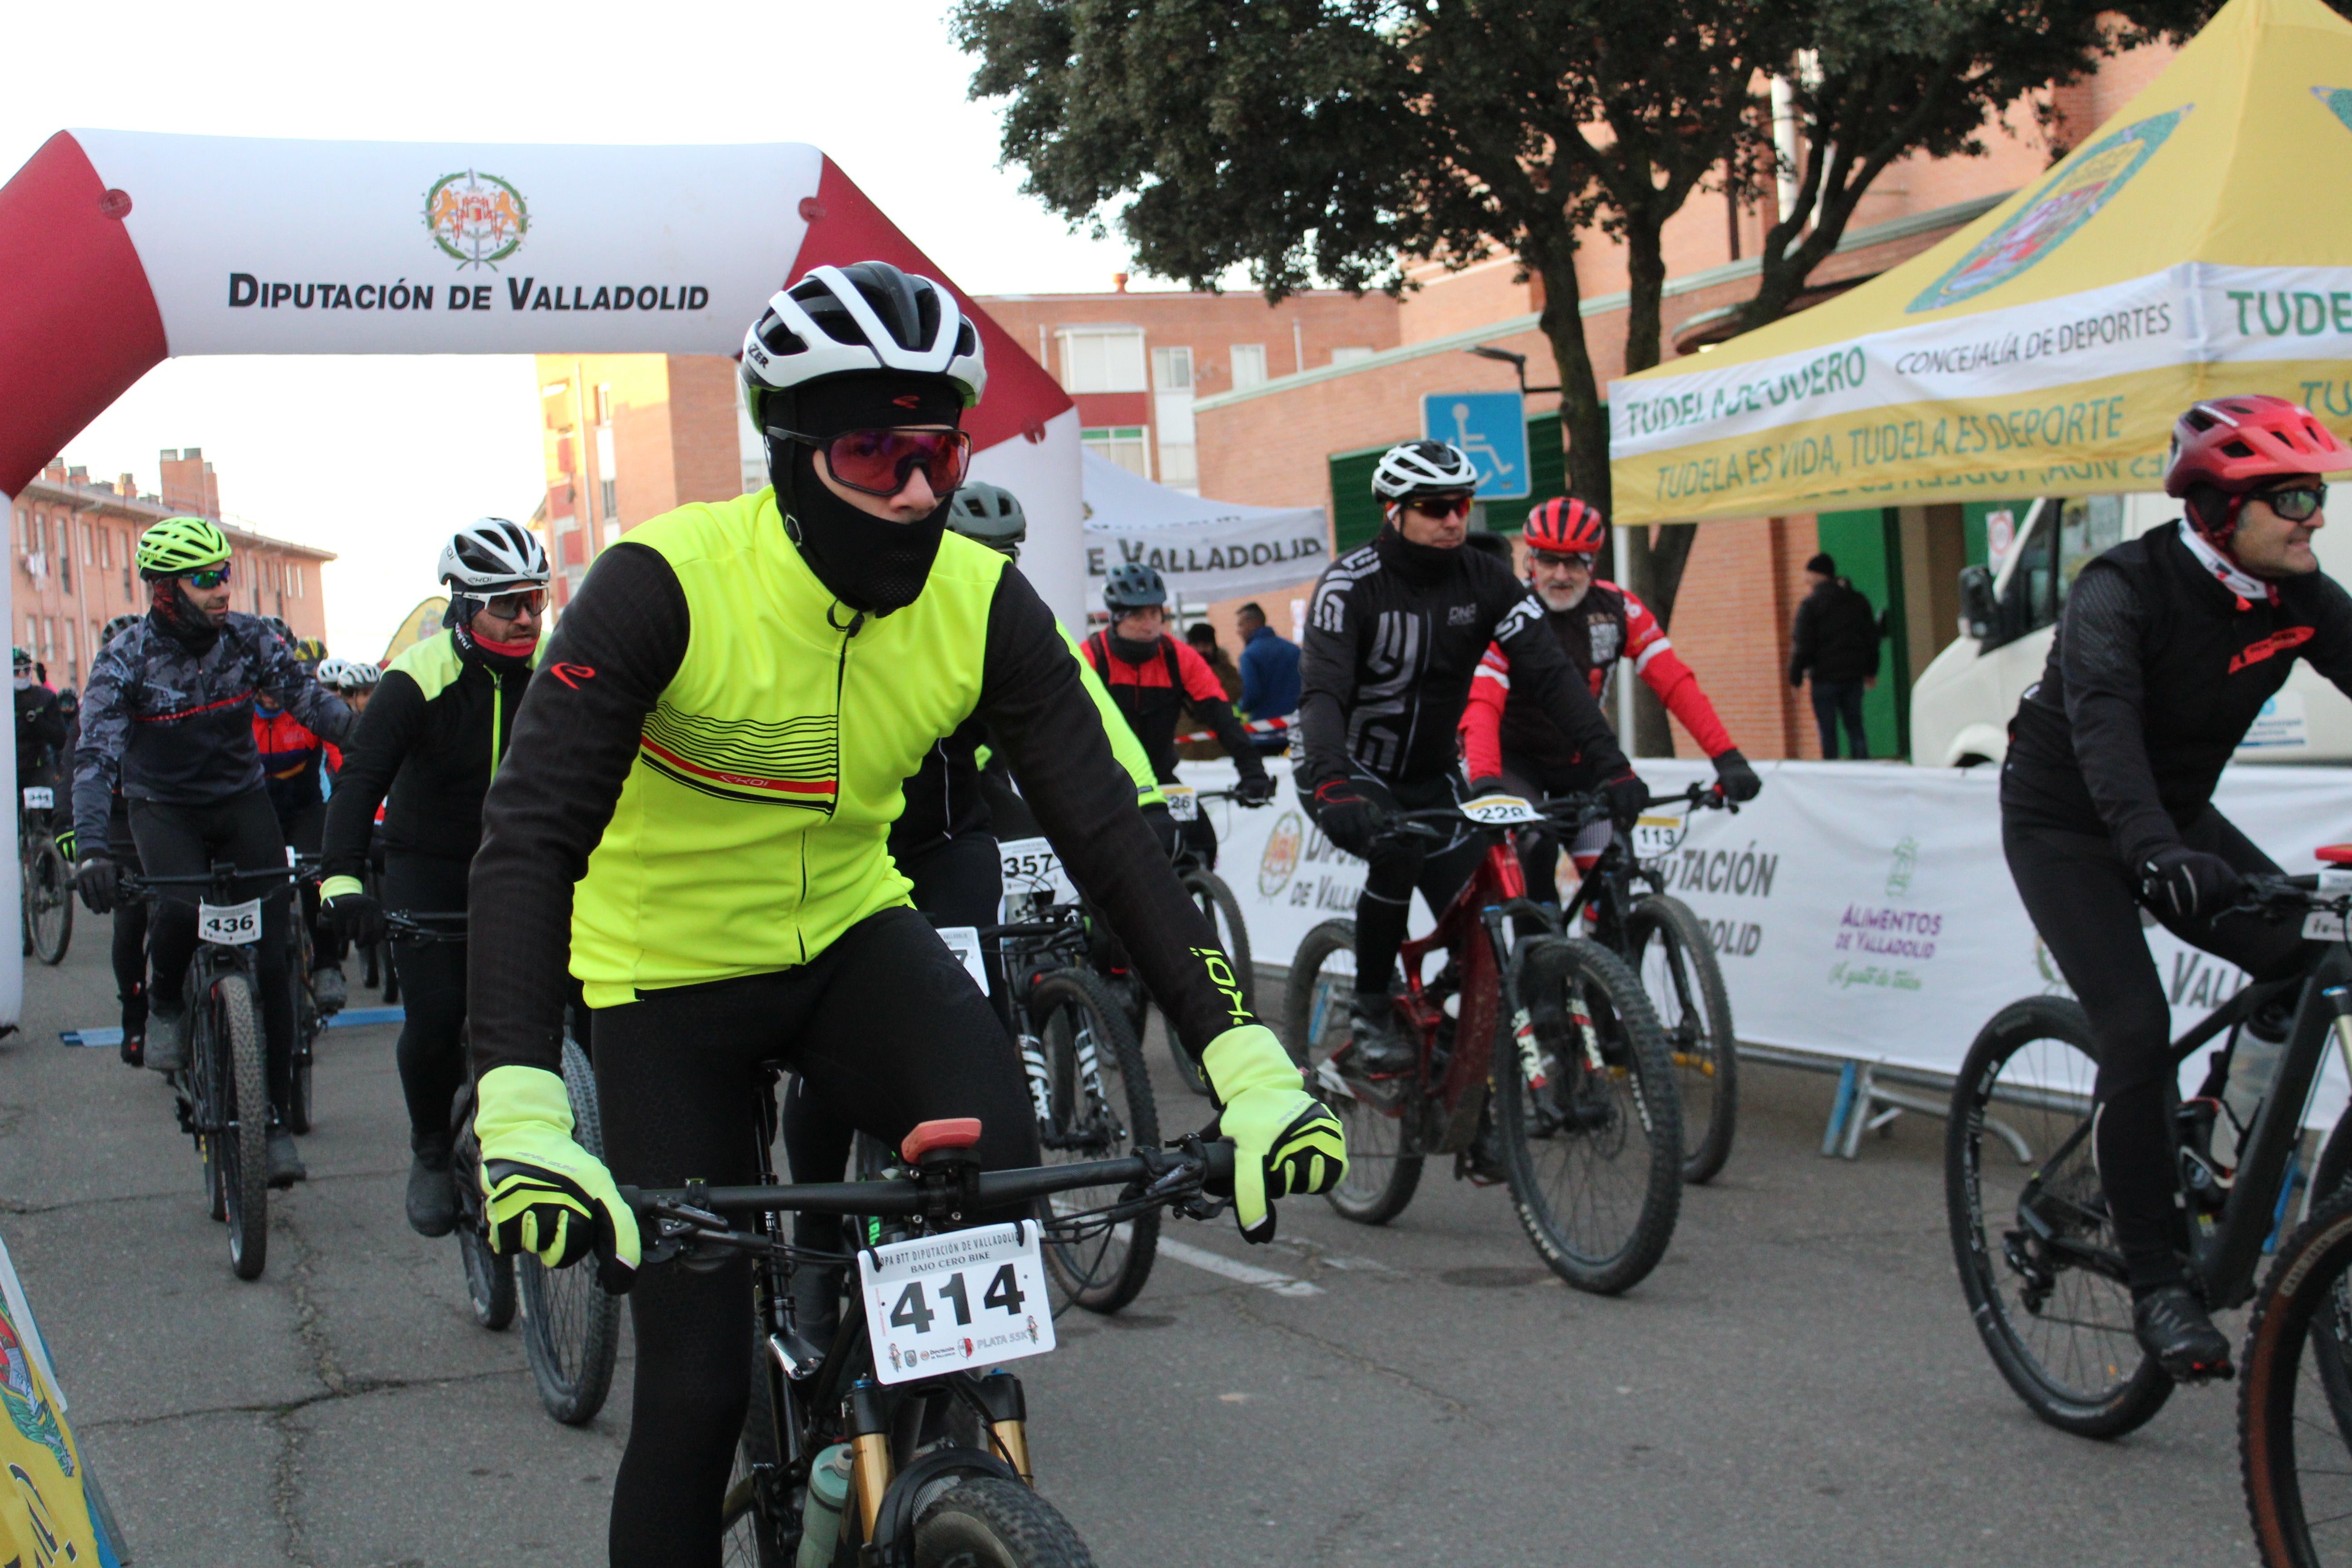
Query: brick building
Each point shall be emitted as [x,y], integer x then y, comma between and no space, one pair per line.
[74,570]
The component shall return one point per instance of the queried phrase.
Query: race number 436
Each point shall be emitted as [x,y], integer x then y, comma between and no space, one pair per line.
[966,1298]
[232,925]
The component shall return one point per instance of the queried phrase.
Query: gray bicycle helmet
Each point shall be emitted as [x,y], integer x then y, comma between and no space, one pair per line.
[1134,586]
[990,515]
[117,626]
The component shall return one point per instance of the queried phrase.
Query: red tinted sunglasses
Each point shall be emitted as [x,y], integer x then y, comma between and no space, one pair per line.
[880,462]
[1440,506]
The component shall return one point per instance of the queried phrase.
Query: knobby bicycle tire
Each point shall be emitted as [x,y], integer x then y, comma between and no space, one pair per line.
[1694,1010]
[1383,1164]
[750,1535]
[242,1079]
[2295,1397]
[307,1024]
[1068,1008]
[982,1522]
[48,902]
[2061,1333]
[489,1275]
[1614,1129]
[572,1328]
[1217,904]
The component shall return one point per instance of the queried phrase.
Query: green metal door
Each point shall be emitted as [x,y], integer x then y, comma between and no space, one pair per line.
[1868,548]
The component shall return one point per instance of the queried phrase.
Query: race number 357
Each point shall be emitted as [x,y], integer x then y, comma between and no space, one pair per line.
[941,1303]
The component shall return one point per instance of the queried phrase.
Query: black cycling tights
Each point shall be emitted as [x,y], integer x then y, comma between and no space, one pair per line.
[1437,868]
[184,841]
[2083,903]
[129,927]
[432,1053]
[888,1030]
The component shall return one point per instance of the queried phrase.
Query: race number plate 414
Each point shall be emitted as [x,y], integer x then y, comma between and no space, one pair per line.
[965,1298]
[232,925]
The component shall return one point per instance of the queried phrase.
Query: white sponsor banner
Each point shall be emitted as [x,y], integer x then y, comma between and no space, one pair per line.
[2192,312]
[1857,910]
[457,248]
[1206,550]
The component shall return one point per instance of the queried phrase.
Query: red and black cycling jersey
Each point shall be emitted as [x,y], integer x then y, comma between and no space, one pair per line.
[1607,626]
[1152,692]
[2157,672]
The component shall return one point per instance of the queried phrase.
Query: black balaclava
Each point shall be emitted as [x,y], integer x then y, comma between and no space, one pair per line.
[1421,565]
[1128,649]
[176,617]
[869,563]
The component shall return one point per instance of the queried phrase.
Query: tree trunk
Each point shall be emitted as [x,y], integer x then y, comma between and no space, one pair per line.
[1584,418]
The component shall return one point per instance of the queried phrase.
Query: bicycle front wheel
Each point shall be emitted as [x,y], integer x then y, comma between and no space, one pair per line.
[48,902]
[1223,912]
[1668,947]
[1102,1108]
[982,1522]
[241,1104]
[1588,1117]
[1380,1122]
[572,1328]
[2295,1399]
[2030,1227]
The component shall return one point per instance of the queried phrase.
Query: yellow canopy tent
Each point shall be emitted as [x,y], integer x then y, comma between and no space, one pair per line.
[2200,244]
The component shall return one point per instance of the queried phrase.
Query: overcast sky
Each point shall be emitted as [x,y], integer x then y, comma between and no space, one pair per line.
[378,458]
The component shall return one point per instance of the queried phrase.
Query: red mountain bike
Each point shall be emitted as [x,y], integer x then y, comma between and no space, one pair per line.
[1541,1064]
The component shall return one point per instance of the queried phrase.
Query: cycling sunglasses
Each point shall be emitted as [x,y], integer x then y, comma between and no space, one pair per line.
[507,606]
[1440,506]
[2296,503]
[210,577]
[1575,558]
[880,462]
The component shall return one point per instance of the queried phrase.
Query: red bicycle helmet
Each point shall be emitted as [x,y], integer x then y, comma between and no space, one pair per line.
[2237,444]
[1567,527]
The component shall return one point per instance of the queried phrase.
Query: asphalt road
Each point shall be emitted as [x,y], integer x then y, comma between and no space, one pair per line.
[1797,1384]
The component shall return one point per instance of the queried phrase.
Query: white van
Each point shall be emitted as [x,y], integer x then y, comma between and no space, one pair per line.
[1961,703]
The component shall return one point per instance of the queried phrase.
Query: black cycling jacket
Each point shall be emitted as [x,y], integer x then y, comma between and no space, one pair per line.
[176,727]
[2154,676]
[433,734]
[1393,636]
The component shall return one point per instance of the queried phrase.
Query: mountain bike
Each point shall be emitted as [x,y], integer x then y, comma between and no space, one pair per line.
[2030,1228]
[46,880]
[1665,942]
[222,1097]
[1089,1085]
[1540,1064]
[572,1329]
[892,1444]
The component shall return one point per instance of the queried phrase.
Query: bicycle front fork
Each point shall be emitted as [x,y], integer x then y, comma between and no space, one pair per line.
[872,1468]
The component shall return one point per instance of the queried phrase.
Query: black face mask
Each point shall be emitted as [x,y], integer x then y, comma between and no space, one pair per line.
[1421,563]
[178,620]
[1132,651]
[869,563]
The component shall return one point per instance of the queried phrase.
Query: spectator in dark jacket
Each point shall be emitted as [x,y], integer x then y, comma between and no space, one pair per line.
[1837,640]
[1269,674]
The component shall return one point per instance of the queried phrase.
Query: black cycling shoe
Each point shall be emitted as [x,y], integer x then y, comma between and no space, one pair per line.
[2173,1326]
[134,1043]
[286,1166]
[1378,1053]
[432,1194]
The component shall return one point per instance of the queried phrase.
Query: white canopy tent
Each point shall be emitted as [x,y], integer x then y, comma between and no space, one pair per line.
[1207,549]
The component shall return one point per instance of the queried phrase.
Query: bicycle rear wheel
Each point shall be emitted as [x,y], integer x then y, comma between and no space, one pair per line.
[2030,1228]
[49,901]
[1667,945]
[242,1089]
[572,1328]
[1591,1129]
[307,1026]
[1380,1124]
[2295,1397]
[1103,1110]
[982,1522]
[1223,912]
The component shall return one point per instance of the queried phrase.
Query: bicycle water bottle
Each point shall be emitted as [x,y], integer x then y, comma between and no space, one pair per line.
[2253,1064]
[828,1494]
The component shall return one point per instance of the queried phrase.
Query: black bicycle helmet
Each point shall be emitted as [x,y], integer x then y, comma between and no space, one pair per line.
[1134,586]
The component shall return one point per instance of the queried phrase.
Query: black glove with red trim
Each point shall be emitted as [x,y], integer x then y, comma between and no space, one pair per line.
[1627,796]
[1346,818]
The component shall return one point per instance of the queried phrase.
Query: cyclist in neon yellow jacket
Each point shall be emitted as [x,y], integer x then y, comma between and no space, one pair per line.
[695,805]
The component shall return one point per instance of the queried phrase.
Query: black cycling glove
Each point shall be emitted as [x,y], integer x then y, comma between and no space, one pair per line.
[2185,883]
[100,880]
[1348,819]
[1255,789]
[1627,796]
[1739,781]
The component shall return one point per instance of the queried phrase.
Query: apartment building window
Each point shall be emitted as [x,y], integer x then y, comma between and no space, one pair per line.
[608,487]
[1352,354]
[605,403]
[301,589]
[1249,365]
[24,524]
[73,658]
[32,634]
[1122,444]
[105,547]
[48,639]
[1102,359]
[97,641]
[65,553]
[1172,412]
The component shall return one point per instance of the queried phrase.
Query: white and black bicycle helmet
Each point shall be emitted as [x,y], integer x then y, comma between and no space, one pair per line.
[490,556]
[990,515]
[349,675]
[868,317]
[1422,468]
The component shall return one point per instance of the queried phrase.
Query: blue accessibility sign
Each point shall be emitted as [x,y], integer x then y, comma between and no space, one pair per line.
[1492,428]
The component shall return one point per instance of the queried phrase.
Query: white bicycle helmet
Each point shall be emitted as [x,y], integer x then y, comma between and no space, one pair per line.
[868,317]
[348,675]
[490,556]
[1423,467]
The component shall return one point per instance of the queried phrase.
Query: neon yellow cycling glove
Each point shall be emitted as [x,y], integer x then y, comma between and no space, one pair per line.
[1285,1140]
[544,1192]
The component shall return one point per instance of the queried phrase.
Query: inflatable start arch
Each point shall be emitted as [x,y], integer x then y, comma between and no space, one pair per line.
[124,249]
